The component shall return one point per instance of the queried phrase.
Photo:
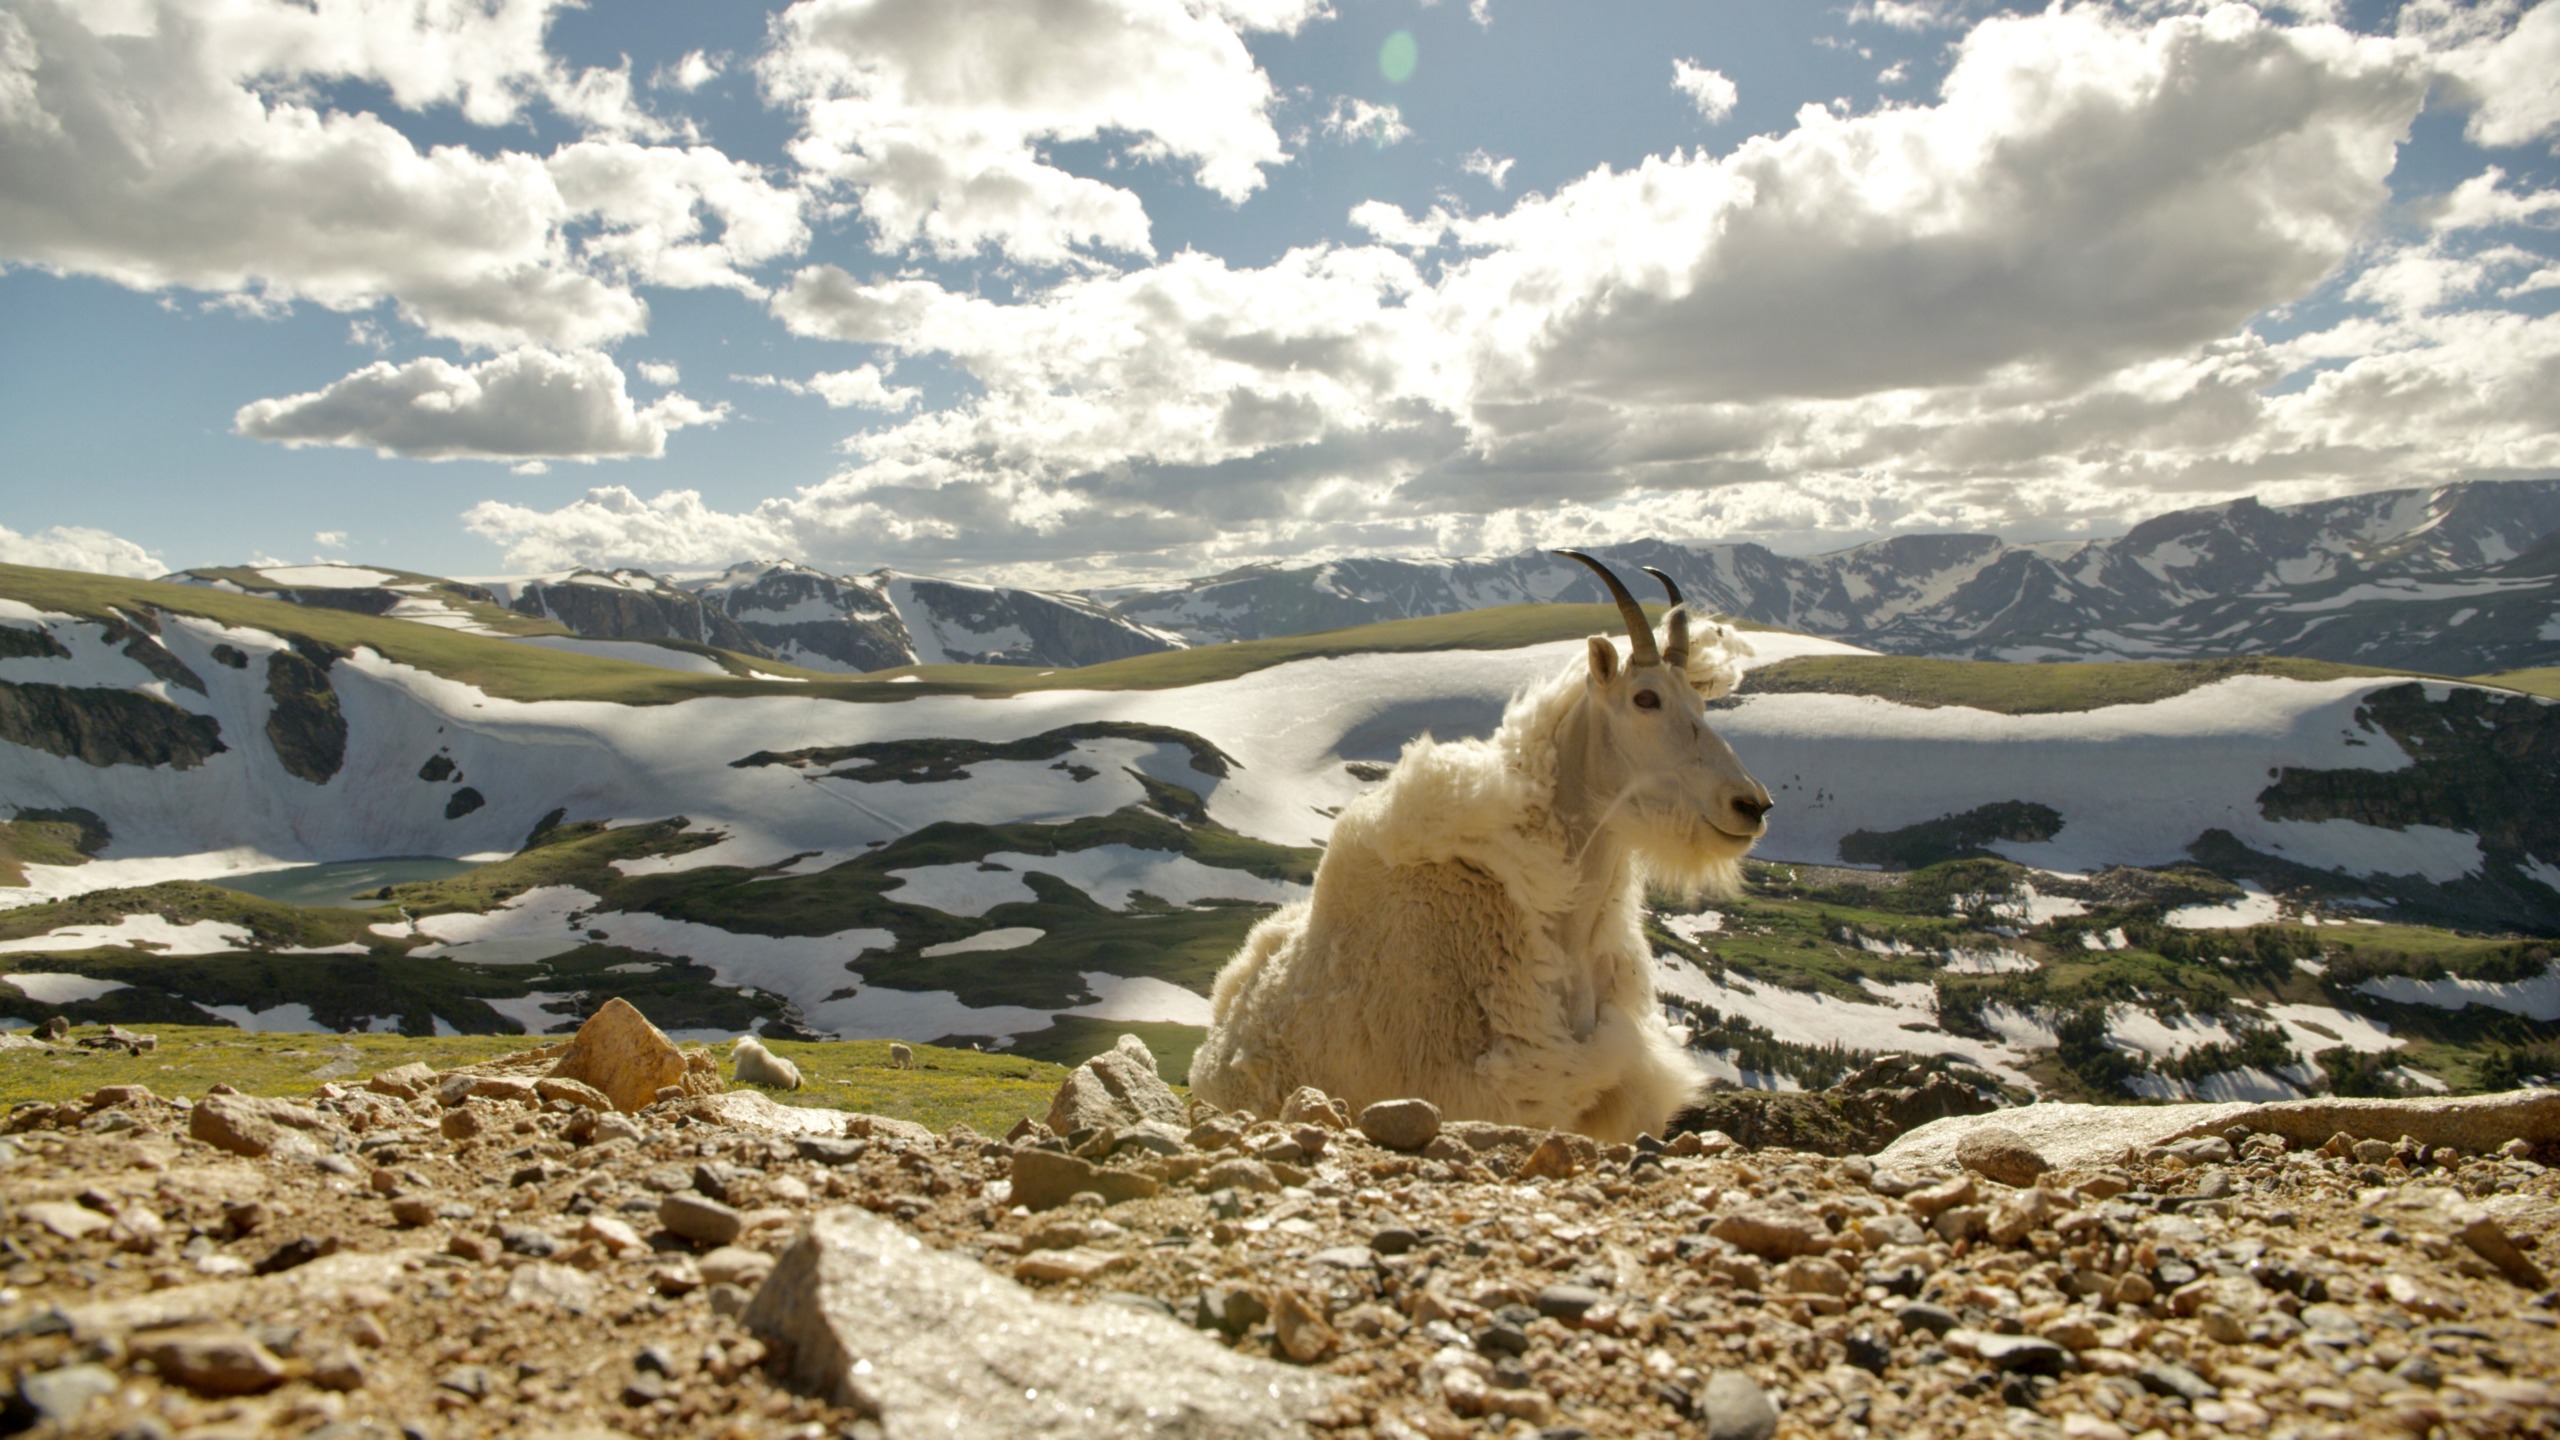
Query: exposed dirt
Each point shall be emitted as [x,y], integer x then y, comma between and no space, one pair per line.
[503,1267]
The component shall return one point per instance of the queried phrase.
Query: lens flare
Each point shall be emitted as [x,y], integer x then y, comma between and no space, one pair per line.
[1396,57]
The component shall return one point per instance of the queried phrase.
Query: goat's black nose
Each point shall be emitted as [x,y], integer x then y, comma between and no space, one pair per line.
[1750,808]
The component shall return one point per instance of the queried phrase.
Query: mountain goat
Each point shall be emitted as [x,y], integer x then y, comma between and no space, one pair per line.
[1475,936]
[758,1066]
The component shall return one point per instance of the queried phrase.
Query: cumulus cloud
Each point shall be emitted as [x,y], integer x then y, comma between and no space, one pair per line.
[860,388]
[655,200]
[1355,120]
[183,143]
[934,112]
[2511,75]
[2025,305]
[523,405]
[1709,90]
[1495,170]
[611,526]
[80,547]
[661,373]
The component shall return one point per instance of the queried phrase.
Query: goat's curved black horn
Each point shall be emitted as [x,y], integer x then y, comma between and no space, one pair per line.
[1639,630]
[1668,584]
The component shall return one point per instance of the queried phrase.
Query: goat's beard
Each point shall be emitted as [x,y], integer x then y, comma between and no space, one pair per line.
[1686,859]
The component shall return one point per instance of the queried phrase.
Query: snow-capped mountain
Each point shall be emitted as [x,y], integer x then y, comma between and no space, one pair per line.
[773,610]
[2231,579]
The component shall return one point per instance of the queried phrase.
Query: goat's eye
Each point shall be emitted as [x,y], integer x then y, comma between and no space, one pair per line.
[1647,700]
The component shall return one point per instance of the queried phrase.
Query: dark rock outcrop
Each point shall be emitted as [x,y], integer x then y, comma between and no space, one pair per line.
[305,725]
[106,727]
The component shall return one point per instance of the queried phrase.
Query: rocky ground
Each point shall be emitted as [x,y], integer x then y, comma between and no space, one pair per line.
[506,1252]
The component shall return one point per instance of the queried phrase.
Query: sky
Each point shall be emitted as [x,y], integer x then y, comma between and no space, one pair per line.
[1108,292]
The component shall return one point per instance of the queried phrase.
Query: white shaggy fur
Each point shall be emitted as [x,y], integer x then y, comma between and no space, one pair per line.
[758,1066]
[900,1057]
[1472,941]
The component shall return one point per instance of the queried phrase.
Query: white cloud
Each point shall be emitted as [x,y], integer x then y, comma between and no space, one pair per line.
[330,539]
[611,526]
[2086,194]
[1496,170]
[2513,77]
[1355,120]
[934,111]
[694,71]
[862,387]
[526,404]
[2483,201]
[661,373]
[653,201]
[1901,14]
[80,547]
[185,144]
[1709,90]
[1391,226]
[2023,306]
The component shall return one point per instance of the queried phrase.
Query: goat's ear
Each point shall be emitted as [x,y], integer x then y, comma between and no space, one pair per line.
[1604,660]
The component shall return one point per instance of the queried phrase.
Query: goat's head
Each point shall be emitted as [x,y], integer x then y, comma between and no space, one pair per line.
[1673,786]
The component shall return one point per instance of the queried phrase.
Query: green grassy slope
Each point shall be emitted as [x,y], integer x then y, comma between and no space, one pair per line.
[947,1087]
[2544,682]
[2026,689]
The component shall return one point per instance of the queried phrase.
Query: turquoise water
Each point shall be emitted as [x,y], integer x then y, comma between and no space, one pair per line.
[337,884]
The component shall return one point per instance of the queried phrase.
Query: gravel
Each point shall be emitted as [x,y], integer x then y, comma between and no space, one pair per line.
[1698,1289]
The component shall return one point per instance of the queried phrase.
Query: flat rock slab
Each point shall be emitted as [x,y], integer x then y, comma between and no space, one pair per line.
[322,1282]
[937,1344]
[755,1110]
[2084,1135]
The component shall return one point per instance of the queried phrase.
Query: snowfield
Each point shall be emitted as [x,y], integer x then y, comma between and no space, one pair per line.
[2133,785]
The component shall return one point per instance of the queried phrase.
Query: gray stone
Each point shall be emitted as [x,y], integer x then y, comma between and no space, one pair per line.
[212,1360]
[551,1288]
[1568,1303]
[2071,1135]
[1921,1315]
[933,1343]
[1115,1089]
[1401,1124]
[2177,1380]
[1999,1153]
[700,1218]
[1773,1232]
[1737,1409]
[1046,1179]
[60,1395]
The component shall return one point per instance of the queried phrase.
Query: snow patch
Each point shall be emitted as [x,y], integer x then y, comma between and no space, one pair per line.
[327,577]
[2256,907]
[53,988]
[1011,937]
[292,1018]
[1142,998]
[138,932]
[2430,852]
[1109,874]
[2537,998]
[1692,927]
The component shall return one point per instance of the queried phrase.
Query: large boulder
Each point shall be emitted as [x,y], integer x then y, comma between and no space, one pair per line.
[2080,1135]
[621,1054]
[1116,1088]
[935,1344]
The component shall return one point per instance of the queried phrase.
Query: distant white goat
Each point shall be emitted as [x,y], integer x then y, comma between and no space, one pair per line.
[1475,935]
[900,1057]
[759,1066]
